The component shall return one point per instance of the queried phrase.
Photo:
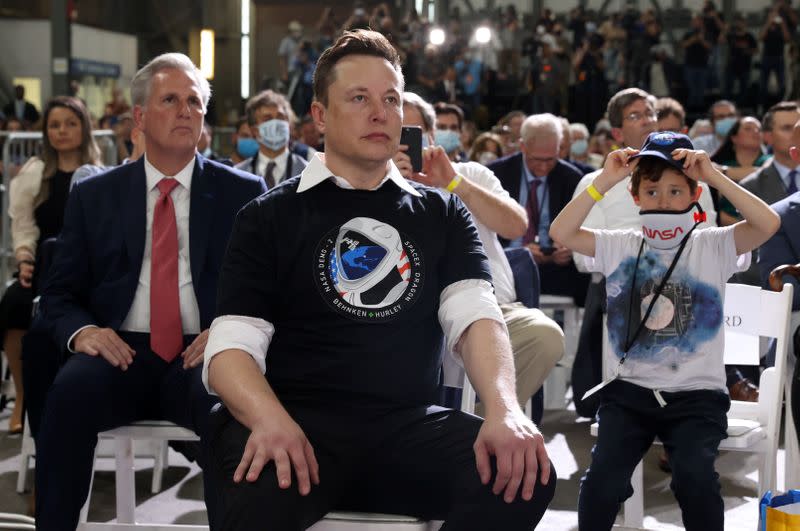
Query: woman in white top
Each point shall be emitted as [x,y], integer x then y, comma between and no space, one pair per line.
[37,199]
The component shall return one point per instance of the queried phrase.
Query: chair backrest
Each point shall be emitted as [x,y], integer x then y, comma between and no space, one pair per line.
[526,275]
[749,314]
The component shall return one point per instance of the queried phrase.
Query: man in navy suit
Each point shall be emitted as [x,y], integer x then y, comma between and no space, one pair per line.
[784,248]
[132,290]
[537,168]
[270,118]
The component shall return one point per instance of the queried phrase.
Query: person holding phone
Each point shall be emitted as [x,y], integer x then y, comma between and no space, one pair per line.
[536,340]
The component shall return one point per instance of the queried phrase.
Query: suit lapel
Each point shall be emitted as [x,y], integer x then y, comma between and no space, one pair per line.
[775,182]
[134,212]
[201,214]
[516,176]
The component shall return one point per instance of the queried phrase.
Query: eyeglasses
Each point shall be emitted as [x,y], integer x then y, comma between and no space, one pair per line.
[638,116]
[547,160]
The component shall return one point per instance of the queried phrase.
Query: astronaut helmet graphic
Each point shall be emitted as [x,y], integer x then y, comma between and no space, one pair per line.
[369,266]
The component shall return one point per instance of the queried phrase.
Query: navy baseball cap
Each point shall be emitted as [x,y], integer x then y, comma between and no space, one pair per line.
[661,144]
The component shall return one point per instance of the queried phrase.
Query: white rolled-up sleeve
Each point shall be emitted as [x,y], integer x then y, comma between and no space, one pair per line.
[250,334]
[461,304]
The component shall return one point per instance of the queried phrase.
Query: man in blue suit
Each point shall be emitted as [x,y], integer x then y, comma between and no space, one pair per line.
[784,248]
[132,290]
[543,183]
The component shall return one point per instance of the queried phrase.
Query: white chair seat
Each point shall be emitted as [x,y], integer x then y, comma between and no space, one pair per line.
[351,521]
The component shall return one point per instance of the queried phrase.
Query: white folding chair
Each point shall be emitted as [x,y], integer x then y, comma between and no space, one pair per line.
[555,386]
[754,427]
[26,453]
[159,431]
[16,521]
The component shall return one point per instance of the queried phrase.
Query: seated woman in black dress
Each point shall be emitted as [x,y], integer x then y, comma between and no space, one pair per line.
[37,198]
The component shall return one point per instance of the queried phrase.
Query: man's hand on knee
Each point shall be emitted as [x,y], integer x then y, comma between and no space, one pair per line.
[193,355]
[519,450]
[278,438]
[106,343]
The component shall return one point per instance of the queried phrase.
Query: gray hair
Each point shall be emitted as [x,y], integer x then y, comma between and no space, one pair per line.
[143,80]
[579,128]
[424,108]
[538,125]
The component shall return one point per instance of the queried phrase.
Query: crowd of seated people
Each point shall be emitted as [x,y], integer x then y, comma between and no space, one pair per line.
[514,175]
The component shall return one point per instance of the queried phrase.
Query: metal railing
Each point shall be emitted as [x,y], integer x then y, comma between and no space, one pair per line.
[18,147]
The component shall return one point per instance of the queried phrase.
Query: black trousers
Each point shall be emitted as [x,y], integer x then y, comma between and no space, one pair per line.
[691,426]
[88,396]
[415,462]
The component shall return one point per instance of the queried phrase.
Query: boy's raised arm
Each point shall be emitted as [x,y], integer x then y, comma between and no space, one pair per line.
[760,221]
[566,228]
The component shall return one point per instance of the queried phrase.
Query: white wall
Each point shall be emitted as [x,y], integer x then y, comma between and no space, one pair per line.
[27,51]
[28,44]
[106,47]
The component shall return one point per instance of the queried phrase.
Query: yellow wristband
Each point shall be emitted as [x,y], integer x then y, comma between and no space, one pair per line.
[592,191]
[455,182]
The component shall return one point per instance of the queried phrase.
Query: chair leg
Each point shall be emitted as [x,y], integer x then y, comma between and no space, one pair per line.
[792,465]
[161,460]
[125,480]
[27,451]
[84,516]
[634,506]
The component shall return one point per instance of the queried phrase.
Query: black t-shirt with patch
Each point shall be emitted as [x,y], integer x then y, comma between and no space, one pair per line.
[351,280]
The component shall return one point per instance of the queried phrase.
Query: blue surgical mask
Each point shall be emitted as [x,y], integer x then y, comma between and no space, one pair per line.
[449,140]
[247,147]
[723,127]
[579,147]
[274,134]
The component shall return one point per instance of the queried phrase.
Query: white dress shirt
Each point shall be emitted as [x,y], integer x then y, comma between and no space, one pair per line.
[460,303]
[280,165]
[783,172]
[138,319]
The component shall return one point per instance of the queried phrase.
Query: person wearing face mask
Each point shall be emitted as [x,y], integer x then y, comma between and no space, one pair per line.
[579,147]
[565,149]
[244,145]
[486,148]
[632,115]
[269,115]
[449,122]
[723,114]
[665,283]
[536,340]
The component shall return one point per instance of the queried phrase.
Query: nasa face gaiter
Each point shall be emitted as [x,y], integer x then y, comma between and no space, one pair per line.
[666,229]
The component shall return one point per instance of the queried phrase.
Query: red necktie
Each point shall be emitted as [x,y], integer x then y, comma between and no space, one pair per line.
[166,332]
[533,212]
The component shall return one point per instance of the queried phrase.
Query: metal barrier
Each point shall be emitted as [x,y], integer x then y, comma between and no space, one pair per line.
[18,147]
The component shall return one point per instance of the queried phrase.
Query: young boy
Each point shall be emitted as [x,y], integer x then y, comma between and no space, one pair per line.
[665,288]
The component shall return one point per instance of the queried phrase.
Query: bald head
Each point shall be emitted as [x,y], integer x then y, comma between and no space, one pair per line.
[794,150]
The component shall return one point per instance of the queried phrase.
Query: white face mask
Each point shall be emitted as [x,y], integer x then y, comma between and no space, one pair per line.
[664,229]
[486,157]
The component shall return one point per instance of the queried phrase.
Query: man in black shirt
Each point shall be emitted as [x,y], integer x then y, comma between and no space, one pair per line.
[742,46]
[775,34]
[339,286]
[697,50]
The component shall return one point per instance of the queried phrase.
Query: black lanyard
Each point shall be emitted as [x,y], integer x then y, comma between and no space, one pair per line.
[629,341]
